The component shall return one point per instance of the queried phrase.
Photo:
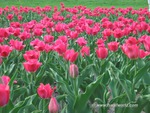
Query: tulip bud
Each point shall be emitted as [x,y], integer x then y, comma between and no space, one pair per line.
[4,91]
[53,105]
[5,79]
[73,70]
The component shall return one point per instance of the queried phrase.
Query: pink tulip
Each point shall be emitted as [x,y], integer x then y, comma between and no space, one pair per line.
[71,55]
[31,55]
[4,90]
[32,65]
[81,41]
[5,50]
[45,91]
[48,38]
[113,46]
[73,70]
[102,52]
[85,51]
[60,46]
[132,51]
[18,45]
[53,105]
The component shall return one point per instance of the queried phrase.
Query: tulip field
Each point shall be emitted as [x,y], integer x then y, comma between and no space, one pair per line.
[74,60]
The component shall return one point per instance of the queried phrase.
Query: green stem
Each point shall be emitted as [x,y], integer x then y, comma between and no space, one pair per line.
[1,110]
[43,102]
[75,86]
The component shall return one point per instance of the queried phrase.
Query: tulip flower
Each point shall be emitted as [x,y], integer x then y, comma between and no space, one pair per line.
[18,45]
[32,65]
[102,52]
[5,50]
[85,50]
[71,55]
[53,105]
[60,47]
[48,38]
[81,41]
[31,55]
[4,91]
[5,79]
[73,70]
[45,91]
[132,51]
[113,46]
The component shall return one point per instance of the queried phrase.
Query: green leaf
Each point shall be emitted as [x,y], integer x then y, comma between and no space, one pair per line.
[22,104]
[16,93]
[8,107]
[36,111]
[127,86]
[86,72]
[140,73]
[82,99]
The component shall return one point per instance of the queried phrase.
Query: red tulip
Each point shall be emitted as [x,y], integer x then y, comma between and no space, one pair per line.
[73,70]
[16,32]
[31,55]
[32,65]
[5,50]
[73,34]
[113,46]
[143,54]
[60,46]
[71,55]
[4,91]
[38,32]
[45,91]
[53,105]
[102,52]
[81,41]
[5,79]
[100,42]
[40,46]
[146,42]
[19,17]
[64,39]
[118,33]
[18,45]
[132,51]
[4,33]
[48,48]
[10,16]
[34,42]
[131,41]
[48,38]
[59,27]
[24,35]
[85,50]
[107,33]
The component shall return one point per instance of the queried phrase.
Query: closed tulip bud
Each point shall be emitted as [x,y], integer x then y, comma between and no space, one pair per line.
[53,105]
[73,70]
[5,79]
